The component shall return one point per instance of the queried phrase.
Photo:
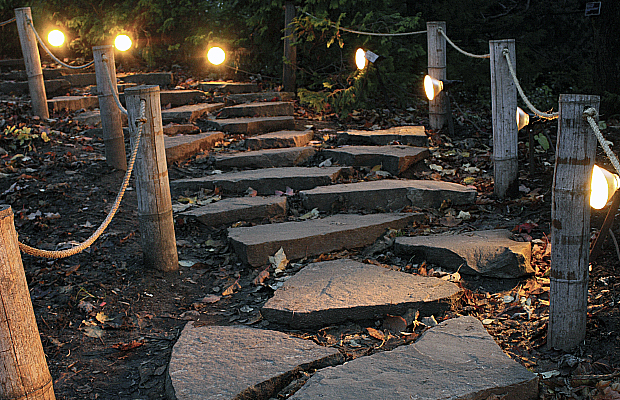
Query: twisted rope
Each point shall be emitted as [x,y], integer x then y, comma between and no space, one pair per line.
[333,25]
[8,21]
[49,53]
[506,54]
[112,86]
[82,246]
[589,114]
[440,30]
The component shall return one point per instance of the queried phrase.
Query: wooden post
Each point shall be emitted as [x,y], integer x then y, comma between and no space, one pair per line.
[438,107]
[110,114]
[290,51]
[32,62]
[570,223]
[152,186]
[504,116]
[23,369]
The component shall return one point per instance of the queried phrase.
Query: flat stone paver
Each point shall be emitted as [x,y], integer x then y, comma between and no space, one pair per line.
[488,253]
[162,79]
[333,292]
[177,129]
[393,159]
[52,86]
[73,103]
[182,147]
[265,181]
[409,135]
[175,98]
[190,112]
[387,195]
[279,139]
[269,158]
[93,118]
[239,363]
[81,79]
[234,209]
[253,125]
[259,109]
[238,98]
[301,239]
[455,360]
[228,87]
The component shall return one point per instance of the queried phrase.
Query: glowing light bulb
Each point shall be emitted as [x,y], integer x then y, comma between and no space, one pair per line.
[603,185]
[432,87]
[216,55]
[522,119]
[56,38]
[122,42]
[360,58]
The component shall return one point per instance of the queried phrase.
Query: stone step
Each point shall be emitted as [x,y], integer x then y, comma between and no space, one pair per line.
[175,98]
[268,158]
[190,112]
[258,109]
[238,362]
[93,118]
[48,73]
[265,181]
[234,209]
[279,139]
[253,125]
[393,159]
[307,238]
[52,87]
[252,97]
[488,253]
[456,359]
[162,79]
[81,79]
[182,147]
[228,87]
[180,129]
[409,135]
[387,195]
[73,103]
[336,291]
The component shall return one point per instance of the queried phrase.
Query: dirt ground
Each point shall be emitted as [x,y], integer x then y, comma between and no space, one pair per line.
[108,325]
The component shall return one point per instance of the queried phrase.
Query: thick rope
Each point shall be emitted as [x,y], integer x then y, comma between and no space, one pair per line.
[589,114]
[49,53]
[440,30]
[333,25]
[112,86]
[82,246]
[529,105]
[8,21]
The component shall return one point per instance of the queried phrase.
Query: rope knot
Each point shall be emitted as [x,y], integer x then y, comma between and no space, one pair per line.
[590,112]
[505,52]
[142,120]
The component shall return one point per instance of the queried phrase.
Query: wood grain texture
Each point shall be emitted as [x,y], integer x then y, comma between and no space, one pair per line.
[437,108]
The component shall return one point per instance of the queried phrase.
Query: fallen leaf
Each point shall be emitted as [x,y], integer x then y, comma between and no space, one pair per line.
[279,260]
[311,214]
[264,274]
[93,332]
[326,163]
[251,192]
[102,317]
[394,323]
[128,346]
[376,168]
[211,298]
[450,221]
[377,334]
[231,289]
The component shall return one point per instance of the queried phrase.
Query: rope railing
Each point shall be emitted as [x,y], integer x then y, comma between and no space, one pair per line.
[334,25]
[8,21]
[506,54]
[440,30]
[112,86]
[85,244]
[589,114]
[49,53]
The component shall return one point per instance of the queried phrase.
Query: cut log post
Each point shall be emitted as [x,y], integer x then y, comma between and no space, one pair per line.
[438,107]
[23,373]
[504,115]
[111,122]
[290,51]
[570,223]
[152,186]
[32,61]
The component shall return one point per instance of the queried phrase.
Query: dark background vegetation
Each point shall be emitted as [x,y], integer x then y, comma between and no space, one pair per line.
[559,49]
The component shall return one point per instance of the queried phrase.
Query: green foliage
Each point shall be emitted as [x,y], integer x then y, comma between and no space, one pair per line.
[15,137]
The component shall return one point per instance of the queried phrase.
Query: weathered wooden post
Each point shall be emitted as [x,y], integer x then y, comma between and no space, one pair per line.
[152,186]
[570,223]
[438,107]
[504,116]
[32,62]
[23,373]
[111,122]
[290,51]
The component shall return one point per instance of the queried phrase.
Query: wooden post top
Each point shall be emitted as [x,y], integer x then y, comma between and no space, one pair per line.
[104,47]
[142,89]
[5,210]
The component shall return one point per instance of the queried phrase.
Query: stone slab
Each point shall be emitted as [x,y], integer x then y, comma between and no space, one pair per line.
[259,109]
[17,63]
[52,87]
[279,139]
[301,239]
[253,125]
[455,360]
[409,135]
[175,98]
[48,73]
[333,292]
[190,112]
[260,96]
[394,159]
[387,195]
[93,118]
[178,129]
[269,158]
[488,253]
[73,103]
[182,147]
[82,79]
[162,79]
[265,181]
[234,209]
[239,363]
[228,87]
